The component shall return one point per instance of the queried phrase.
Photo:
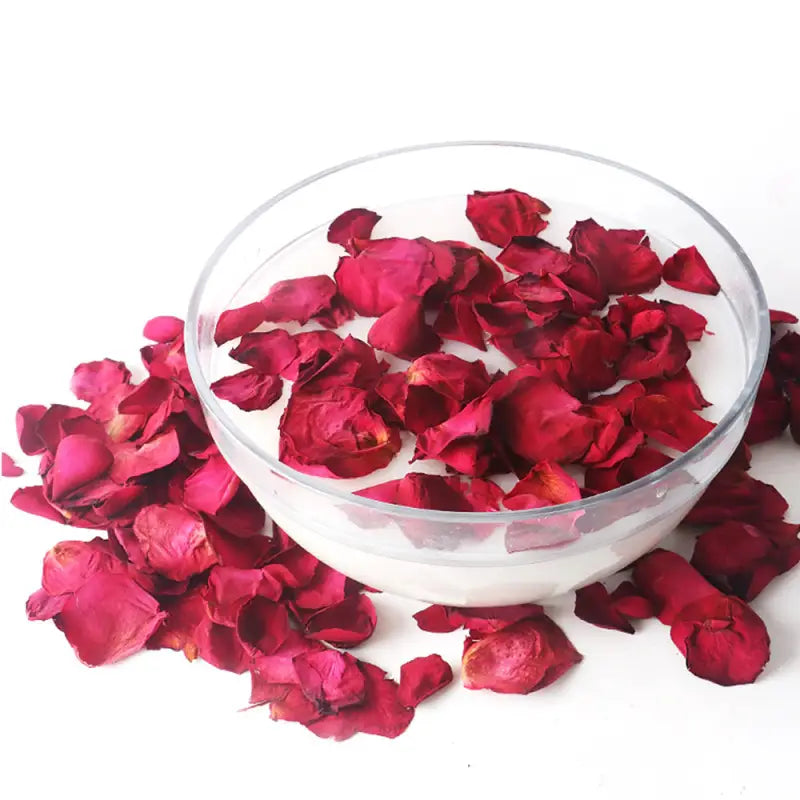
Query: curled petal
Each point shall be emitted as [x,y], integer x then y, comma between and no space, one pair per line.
[9,468]
[403,332]
[422,677]
[351,227]
[270,352]
[688,270]
[236,322]
[28,418]
[345,624]
[163,329]
[249,390]
[299,299]
[96,378]
[79,459]
[545,485]
[499,216]
[668,422]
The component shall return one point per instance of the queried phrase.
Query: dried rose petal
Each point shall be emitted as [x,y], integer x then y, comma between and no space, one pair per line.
[28,418]
[742,559]
[538,421]
[444,619]
[623,259]
[614,441]
[403,332]
[236,322]
[96,378]
[229,589]
[211,486]
[656,356]
[329,679]
[109,618]
[220,646]
[438,492]
[734,495]
[458,322]
[346,624]
[42,606]
[327,588]
[262,625]
[299,299]
[335,434]
[669,422]
[771,412]
[499,216]
[530,255]
[352,226]
[688,270]
[691,323]
[614,610]
[632,317]
[643,462]
[522,658]
[723,640]
[621,400]
[78,460]
[9,468]
[270,351]
[131,460]
[68,565]
[385,273]
[793,392]
[250,390]
[163,329]
[782,317]
[174,541]
[422,677]
[381,713]
[32,500]
[354,364]
[314,349]
[178,631]
[681,388]
[784,357]
[545,485]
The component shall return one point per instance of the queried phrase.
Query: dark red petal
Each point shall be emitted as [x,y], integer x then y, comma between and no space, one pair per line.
[593,604]
[522,658]
[9,468]
[691,323]
[622,259]
[422,677]
[78,460]
[131,460]
[688,270]
[299,299]
[530,255]
[733,494]
[163,329]
[723,640]
[250,390]
[458,322]
[499,216]
[403,332]
[230,588]
[327,588]
[658,355]
[782,317]
[351,226]
[353,365]
[96,378]
[262,626]
[793,392]
[545,485]
[670,582]
[784,357]
[270,352]
[771,411]
[623,399]
[668,422]
[109,618]
[236,322]
[346,624]
[681,388]
[314,349]
[329,679]
[174,541]
[381,713]
[385,273]
[436,619]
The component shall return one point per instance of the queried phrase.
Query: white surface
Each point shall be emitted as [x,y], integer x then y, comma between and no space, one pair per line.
[135,135]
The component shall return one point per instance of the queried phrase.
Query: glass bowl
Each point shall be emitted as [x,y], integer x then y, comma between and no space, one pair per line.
[463,559]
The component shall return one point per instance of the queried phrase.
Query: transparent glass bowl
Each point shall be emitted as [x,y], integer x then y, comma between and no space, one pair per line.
[463,558]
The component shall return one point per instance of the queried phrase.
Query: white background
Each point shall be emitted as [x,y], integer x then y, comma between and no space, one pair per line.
[135,135]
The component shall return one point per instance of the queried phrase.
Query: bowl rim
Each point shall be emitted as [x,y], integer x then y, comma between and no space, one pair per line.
[323,486]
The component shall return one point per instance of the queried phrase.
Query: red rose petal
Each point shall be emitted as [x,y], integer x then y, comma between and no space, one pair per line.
[422,677]
[499,216]
[346,624]
[9,468]
[771,412]
[734,495]
[28,418]
[782,317]
[594,604]
[131,460]
[262,625]
[330,680]
[681,388]
[784,357]
[351,226]
[184,616]
[70,564]
[444,619]
[385,273]
[643,462]
[327,588]
[723,640]
[622,259]
[32,500]
[174,541]
[670,582]
[545,485]
[220,646]
[621,400]
[163,329]
[42,606]
[691,323]
[668,422]
[299,299]
[458,322]
[688,270]
[270,352]
[95,378]
[236,322]
[211,486]
[250,390]
[381,713]
[530,255]
[403,332]
[314,349]
[78,460]
[229,589]
[522,658]
[109,618]
[657,356]
[793,392]
[335,434]
[353,365]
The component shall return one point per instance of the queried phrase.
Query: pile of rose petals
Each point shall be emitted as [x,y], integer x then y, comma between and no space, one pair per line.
[185,565]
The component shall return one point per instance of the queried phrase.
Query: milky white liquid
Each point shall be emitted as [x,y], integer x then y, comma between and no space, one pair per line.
[717,364]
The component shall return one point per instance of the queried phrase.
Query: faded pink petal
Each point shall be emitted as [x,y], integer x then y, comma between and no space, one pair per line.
[131,460]
[9,468]
[163,329]
[96,378]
